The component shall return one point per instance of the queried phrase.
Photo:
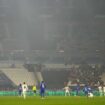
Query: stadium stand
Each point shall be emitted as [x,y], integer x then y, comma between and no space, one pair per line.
[103,77]
[55,78]
[19,75]
[5,81]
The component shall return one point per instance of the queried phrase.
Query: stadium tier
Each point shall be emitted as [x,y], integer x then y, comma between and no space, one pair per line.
[19,75]
[55,78]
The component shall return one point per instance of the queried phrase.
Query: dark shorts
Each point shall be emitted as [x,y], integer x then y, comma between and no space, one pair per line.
[34,91]
[86,93]
[20,91]
[42,91]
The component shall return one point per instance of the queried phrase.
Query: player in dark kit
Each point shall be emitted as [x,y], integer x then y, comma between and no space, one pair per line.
[20,90]
[86,90]
[42,89]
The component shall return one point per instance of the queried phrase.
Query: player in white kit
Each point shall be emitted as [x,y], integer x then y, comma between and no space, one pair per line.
[67,89]
[100,90]
[24,89]
[104,90]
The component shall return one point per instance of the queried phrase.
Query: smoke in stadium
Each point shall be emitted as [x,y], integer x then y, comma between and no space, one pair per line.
[52,48]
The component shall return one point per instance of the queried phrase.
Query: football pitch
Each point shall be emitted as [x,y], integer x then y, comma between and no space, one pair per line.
[55,100]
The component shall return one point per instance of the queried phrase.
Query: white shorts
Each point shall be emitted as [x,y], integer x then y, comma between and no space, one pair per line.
[66,91]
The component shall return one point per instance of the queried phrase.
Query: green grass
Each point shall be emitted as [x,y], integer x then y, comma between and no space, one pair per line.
[52,101]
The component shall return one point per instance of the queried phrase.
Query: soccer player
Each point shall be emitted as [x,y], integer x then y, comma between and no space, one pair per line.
[20,89]
[104,90]
[42,89]
[24,89]
[86,90]
[67,89]
[100,90]
[90,94]
[34,89]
